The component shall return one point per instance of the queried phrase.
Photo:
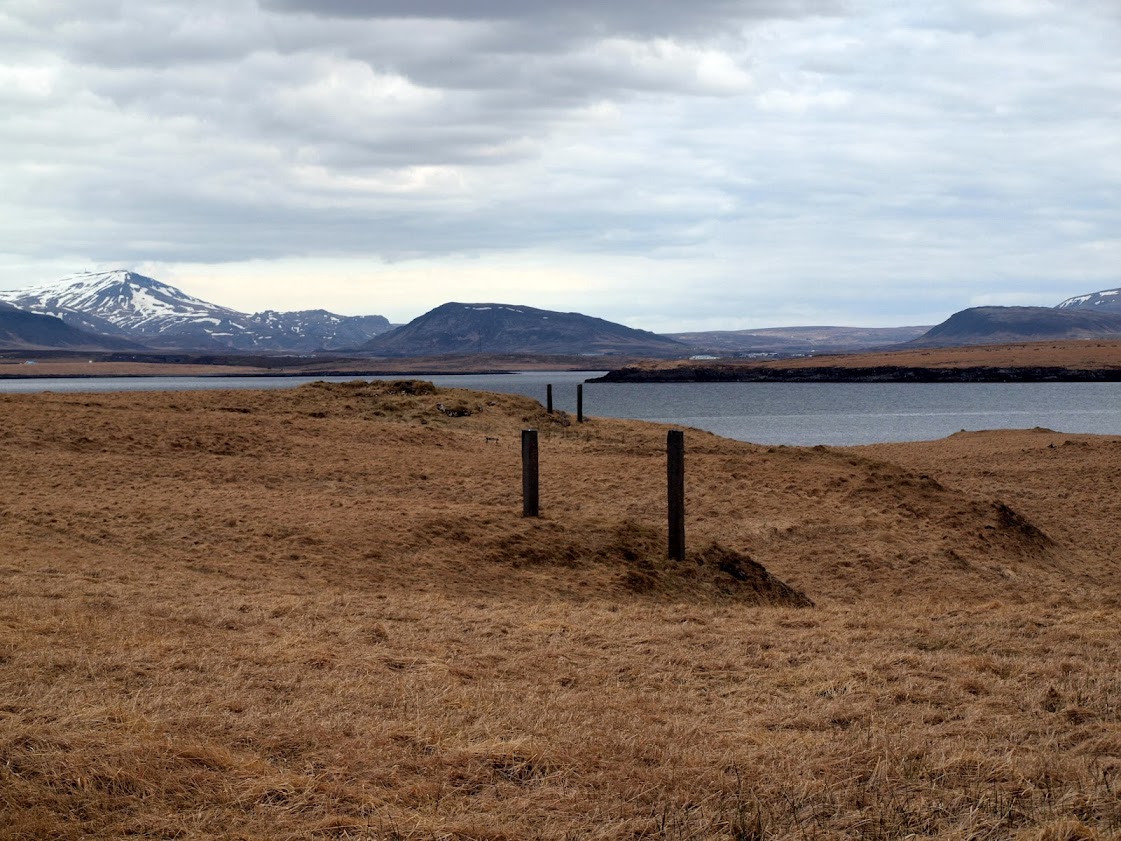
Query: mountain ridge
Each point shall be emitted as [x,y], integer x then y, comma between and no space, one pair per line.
[124,304]
[1106,299]
[999,325]
[458,328]
[798,339]
[21,330]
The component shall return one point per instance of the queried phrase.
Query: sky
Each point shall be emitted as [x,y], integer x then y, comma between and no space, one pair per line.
[716,164]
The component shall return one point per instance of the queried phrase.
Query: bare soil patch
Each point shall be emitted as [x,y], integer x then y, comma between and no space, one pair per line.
[318,613]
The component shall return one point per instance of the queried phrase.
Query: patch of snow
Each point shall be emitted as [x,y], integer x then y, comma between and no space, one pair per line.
[1070,302]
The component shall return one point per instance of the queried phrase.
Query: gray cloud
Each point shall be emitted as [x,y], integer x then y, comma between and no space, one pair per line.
[642,18]
[887,157]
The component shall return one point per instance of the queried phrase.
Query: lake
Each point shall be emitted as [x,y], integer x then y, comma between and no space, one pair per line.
[765,413]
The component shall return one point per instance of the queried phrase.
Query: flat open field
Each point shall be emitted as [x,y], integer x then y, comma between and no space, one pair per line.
[1091,354]
[318,613]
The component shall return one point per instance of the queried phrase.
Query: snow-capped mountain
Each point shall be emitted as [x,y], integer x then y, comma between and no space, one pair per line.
[130,305]
[310,329]
[1107,299]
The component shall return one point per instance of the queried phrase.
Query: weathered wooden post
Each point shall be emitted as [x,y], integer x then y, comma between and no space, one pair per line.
[675,476]
[579,402]
[549,398]
[530,489]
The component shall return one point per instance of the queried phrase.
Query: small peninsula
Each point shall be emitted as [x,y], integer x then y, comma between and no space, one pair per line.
[1069,361]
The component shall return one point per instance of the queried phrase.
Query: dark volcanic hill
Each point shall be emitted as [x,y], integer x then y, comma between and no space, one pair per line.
[504,328]
[999,325]
[21,330]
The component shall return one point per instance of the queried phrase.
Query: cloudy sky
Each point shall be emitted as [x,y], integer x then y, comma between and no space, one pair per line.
[712,164]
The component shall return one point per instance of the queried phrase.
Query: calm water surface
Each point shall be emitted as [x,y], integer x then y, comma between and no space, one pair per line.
[766,413]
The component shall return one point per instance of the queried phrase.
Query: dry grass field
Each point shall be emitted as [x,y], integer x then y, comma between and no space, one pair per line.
[1087,354]
[318,613]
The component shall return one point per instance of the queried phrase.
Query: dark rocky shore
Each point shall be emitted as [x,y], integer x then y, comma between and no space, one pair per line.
[841,374]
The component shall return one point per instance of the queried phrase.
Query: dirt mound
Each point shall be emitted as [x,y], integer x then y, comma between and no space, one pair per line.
[751,576]
[1048,496]
[872,525]
[631,559]
[838,524]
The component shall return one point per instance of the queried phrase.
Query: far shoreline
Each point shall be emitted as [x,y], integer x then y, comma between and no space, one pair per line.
[840,374]
[255,374]
[1073,360]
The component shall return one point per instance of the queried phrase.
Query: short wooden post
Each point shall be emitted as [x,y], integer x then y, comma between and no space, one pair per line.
[675,477]
[580,403]
[530,489]
[549,398]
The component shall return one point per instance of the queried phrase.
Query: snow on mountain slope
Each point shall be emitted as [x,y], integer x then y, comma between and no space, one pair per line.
[123,303]
[1107,299]
[128,301]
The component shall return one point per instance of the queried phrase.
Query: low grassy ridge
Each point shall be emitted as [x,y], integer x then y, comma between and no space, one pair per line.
[318,613]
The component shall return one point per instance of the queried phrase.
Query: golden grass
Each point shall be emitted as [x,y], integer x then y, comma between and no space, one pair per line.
[1084,354]
[317,613]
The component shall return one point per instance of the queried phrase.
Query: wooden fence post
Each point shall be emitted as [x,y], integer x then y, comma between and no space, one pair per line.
[580,403]
[530,488]
[549,398]
[675,478]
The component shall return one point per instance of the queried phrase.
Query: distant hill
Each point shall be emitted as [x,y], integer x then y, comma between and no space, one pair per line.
[998,325]
[1108,300]
[456,328]
[798,339]
[132,306]
[21,330]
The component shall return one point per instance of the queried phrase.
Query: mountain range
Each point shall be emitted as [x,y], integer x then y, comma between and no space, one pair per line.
[797,340]
[123,310]
[125,305]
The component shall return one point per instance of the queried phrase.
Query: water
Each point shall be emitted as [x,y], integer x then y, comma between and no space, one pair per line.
[531,383]
[766,413]
[864,413]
